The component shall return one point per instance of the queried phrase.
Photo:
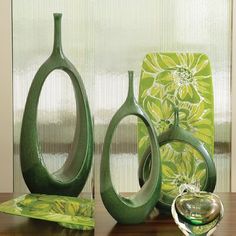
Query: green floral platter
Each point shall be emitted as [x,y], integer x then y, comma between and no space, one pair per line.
[181,80]
[69,212]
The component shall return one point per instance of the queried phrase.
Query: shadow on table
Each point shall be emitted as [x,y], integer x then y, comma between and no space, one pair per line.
[39,227]
[149,228]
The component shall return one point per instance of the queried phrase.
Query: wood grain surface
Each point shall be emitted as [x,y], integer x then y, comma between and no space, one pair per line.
[160,225]
[17,225]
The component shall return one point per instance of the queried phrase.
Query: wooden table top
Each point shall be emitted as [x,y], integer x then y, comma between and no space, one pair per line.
[162,225]
[21,226]
[106,225]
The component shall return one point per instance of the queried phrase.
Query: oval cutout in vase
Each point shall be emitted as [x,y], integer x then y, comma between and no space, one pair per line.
[134,209]
[56,119]
[123,157]
[71,177]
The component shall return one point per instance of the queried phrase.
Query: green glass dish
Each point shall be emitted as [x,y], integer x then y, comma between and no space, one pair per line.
[197,212]
[134,209]
[70,212]
[176,133]
[71,177]
[198,208]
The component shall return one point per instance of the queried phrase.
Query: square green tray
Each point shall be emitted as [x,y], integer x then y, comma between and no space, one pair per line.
[70,212]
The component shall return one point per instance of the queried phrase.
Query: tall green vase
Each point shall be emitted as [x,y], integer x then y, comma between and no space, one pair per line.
[135,209]
[71,177]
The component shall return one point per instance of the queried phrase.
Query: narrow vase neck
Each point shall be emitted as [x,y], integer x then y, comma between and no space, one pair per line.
[57,47]
[131,86]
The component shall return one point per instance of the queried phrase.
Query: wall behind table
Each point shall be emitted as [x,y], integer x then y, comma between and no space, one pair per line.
[104,39]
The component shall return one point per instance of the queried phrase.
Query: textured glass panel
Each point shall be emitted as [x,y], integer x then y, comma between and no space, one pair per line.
[124,158]
[32,44]
[106,38]
[56,120]
[125,31]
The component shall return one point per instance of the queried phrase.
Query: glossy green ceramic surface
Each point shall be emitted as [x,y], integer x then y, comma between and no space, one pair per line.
[134,209]
[176,133]
[70,212]
[71,177]
[181,80]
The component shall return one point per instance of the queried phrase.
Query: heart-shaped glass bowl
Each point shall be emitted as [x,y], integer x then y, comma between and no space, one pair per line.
[197,213]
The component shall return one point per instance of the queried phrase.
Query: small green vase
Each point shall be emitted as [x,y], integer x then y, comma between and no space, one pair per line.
[136,208]
[176,133]
[71,177]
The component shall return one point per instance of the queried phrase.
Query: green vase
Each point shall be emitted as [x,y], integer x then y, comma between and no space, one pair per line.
[135,209]
[71,177]
[176,133]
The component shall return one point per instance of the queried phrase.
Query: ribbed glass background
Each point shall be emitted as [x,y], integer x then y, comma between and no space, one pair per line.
[104,39]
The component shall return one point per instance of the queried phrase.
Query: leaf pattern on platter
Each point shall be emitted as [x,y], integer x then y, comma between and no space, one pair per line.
[70,212]
[180,164]
[183,80]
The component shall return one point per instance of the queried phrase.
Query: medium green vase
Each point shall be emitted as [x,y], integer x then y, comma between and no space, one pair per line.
[176,133]
[71,177]
[135,209]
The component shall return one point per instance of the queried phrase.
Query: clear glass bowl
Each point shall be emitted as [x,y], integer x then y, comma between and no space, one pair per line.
[197,212]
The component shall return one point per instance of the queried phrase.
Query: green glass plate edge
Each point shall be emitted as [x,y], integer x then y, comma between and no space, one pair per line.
[44,207]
